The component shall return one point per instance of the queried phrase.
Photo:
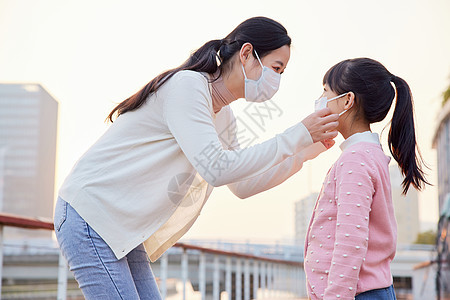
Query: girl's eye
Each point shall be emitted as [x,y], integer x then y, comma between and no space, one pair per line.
[277,69]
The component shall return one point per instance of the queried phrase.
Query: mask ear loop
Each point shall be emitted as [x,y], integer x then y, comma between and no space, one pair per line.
[337,97]
[257,56]
[341,113]
[243,71]
[262,66]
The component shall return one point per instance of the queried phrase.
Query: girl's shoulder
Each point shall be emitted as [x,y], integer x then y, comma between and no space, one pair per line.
[364,154]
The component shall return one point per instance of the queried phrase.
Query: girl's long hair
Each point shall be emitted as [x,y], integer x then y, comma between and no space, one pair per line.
[264,34]
[375,89]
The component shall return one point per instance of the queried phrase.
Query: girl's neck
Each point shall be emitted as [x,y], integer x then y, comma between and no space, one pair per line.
[353,128]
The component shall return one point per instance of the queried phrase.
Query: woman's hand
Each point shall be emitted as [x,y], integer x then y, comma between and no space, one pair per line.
[321,126]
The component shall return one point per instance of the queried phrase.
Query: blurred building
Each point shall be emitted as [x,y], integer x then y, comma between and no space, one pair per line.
[303,211]
[406,208]
[441,142]
[28,128]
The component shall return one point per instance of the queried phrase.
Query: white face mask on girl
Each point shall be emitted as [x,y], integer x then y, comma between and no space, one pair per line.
[265,87]
[321,103]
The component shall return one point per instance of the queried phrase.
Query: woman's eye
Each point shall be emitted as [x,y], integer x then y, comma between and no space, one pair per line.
[277,69]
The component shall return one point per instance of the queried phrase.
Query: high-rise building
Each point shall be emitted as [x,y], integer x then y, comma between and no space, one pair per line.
[406,208]
[28,128]
[303,212]
[441,142]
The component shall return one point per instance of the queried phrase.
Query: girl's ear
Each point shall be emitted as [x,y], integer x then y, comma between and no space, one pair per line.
[349,100]
[245,53]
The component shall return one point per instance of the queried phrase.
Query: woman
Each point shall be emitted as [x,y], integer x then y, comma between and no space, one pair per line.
[147,178]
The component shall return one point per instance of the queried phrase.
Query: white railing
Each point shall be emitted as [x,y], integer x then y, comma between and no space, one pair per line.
[284,249]
[262,277]
[20,222]
[255,277]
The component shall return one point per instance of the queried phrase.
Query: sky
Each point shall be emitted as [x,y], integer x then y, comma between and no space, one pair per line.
[91,55]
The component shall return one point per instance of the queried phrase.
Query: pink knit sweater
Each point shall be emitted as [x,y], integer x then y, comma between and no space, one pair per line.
[351,238]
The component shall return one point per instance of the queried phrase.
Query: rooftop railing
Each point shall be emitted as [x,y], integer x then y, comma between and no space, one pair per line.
[255,277]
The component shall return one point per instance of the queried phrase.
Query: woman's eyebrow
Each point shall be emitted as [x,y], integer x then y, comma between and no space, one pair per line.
[280,62]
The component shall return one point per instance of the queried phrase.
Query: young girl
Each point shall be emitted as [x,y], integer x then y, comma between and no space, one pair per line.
[351,238]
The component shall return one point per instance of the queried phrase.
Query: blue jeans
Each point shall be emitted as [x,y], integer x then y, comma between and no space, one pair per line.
[98,272]
[378,294]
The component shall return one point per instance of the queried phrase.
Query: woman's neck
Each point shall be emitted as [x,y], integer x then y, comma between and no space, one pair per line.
[221,94]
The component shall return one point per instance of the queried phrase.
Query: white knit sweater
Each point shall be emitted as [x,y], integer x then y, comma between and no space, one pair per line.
[147,178]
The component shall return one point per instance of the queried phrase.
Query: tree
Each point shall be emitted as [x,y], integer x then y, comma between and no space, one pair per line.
[427,237]
[446,95]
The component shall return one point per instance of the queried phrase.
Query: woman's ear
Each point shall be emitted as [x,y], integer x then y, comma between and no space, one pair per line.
[245,53]
[349,100]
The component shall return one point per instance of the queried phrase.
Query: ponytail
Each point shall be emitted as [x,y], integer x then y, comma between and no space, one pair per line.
[202,60]
[374,93]
[402,138]
[263,33]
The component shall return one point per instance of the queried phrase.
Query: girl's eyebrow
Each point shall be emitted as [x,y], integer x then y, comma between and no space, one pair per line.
[280,62]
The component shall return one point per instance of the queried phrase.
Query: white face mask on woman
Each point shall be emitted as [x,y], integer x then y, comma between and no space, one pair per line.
[265,87]
[321,103]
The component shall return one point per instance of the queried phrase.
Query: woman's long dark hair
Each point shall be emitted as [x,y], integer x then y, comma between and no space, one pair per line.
[264,34]
[374,93]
